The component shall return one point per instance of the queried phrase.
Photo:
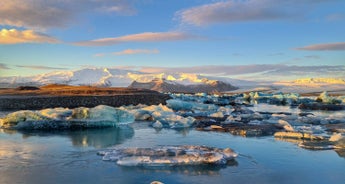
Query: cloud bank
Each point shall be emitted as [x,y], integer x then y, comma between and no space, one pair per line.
[256,71]
[136,51]
[40,67]
[339,46]
[13,36]
[249,10]
[141,37]
[43,14]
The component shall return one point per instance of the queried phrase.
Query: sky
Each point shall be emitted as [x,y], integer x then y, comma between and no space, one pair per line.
[243,39]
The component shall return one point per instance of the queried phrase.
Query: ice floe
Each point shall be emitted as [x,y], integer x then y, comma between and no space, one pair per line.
[64,118]
[161,116]
[169,156]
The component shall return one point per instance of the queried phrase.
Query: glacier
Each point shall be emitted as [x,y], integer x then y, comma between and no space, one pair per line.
[169,156]
[64,118]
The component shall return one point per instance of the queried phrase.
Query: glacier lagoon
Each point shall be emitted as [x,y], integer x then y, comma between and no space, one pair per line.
[55,155]
[71,157]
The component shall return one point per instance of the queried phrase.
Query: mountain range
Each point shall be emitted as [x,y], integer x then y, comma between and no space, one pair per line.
[164,82]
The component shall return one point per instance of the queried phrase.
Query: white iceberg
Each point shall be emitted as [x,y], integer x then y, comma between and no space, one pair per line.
[169,156]
[64,118]
[162,116]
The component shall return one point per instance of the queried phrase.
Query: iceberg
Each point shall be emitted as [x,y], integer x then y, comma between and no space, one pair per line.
[169,156]
[64,118]
[162,116]
[325,98]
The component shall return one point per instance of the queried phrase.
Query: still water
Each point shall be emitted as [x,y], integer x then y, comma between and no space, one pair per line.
[71,157]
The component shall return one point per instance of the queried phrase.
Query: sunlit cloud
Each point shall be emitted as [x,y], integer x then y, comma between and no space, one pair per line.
[253,70]
[339,46]
[249,10]
[141,37]
[43,14]
[40,67]
[99,55]
[13,36]
[136,51]
[3,66]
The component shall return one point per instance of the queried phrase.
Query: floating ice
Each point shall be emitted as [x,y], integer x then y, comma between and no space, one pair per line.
[177,105]
[169,156]
[63,118]
[325,98]
[162,116]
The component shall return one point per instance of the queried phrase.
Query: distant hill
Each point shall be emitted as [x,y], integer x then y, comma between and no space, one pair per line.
[163,85]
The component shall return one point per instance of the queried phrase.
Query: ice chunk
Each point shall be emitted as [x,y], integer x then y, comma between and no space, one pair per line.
[217,115]
[179,105]
[164,115]
[157,124]
[325,98]
[169,156]
[336,137]
[285,125]
[184,105]
[61,118]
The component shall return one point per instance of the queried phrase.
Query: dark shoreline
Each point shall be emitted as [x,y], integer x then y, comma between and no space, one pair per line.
[73,97]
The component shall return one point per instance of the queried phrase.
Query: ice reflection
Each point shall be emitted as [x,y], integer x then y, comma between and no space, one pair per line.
[313,145]
[101,138]
[97,138]
[191,170]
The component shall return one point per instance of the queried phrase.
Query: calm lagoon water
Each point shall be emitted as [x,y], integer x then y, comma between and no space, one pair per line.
[71,157]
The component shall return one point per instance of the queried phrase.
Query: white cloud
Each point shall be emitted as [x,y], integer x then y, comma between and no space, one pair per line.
[249,10]
[13,36]
[40,67]
[141,37]
[136,51]
[43,14]
[255,71]
[339,46]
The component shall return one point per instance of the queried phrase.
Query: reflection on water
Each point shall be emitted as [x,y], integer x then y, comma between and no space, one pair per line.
[97,138]
[71,157]
[192,170]
[340,152]
[101,138]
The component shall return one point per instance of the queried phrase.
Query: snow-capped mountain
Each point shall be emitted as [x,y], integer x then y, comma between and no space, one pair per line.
[115,77]
[163,85]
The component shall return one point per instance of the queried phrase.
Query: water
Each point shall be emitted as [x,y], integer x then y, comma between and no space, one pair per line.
[71,157]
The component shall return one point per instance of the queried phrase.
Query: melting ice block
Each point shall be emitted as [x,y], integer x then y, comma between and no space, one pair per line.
[64,118]
[164,115]
[169,156]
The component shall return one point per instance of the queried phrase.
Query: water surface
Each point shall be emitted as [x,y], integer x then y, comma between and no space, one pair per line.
[71,157]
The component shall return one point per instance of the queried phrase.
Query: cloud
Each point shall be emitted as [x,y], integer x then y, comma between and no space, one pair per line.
[40,67]
[312,57]
[3,66]
[141,37]
[136,51]
[213,69]
[339,46]
[249,10]
[255,71]
[13,36]
[43,14]
[99,55]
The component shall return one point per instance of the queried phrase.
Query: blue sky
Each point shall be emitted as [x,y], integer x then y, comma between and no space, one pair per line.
[40,36]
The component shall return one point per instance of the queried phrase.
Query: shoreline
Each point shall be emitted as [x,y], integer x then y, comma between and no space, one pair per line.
[76,96]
